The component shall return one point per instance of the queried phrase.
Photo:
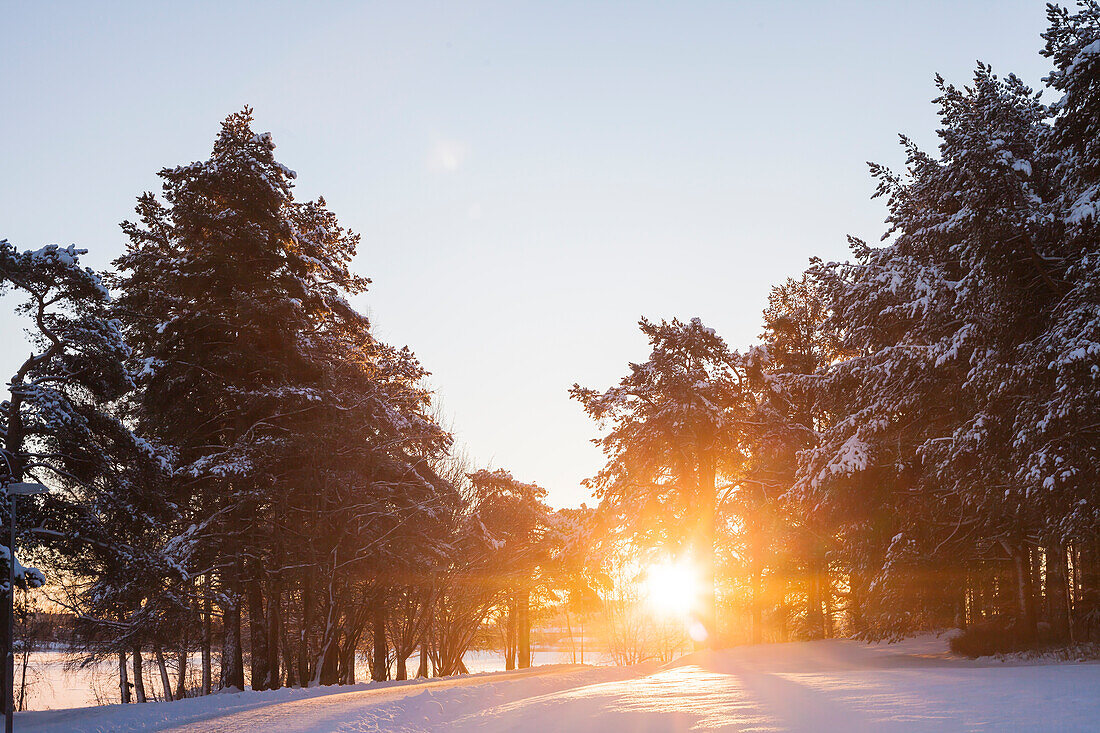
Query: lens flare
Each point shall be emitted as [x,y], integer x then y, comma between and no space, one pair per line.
[672,588]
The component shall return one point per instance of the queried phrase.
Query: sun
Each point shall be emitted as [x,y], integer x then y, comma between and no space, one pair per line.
[671,588]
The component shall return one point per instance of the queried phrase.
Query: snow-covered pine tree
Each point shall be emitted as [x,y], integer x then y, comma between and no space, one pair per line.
[518,519]
[362,490]
[60,427]
[918,473]
[675,424]
[780,532]
[576,570]
[217,293]
[1059,434]
[287,417]
[496,546]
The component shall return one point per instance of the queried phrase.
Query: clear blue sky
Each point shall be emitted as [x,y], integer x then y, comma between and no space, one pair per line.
[528,178]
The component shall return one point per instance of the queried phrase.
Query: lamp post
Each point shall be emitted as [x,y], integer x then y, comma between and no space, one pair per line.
[13,490]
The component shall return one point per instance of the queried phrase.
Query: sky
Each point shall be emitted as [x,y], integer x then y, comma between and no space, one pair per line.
[529,179]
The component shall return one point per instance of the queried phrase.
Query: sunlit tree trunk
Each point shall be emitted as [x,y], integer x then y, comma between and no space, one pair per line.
[422,668]
[401,668]
[425,640]
[816,619]
[123,679]
[165,683]
[347,659]
[856,589]
[328,666]
[379,667]
[181,665]
[139,678]
[523,620]
[757,602]
[1075,588]
[510,636]
[705,542]
[572,639]
[207,640]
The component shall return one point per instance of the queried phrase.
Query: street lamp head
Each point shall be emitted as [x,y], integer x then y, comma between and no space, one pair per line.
[23,488]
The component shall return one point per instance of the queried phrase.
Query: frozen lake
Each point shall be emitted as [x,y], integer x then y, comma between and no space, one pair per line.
[51,686]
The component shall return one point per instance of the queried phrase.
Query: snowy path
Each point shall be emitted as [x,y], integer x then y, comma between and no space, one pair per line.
[821,686]
[818,686]
[412,705]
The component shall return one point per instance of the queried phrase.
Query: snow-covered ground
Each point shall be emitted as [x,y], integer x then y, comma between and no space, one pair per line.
[815,686]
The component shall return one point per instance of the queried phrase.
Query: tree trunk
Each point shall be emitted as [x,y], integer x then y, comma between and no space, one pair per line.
[379,667]
[1025,597]
[511,636]
[328,665]
[1075,588]
[274,631]
[401,670]
[857,587]
[347,660]
[293,678]
[164,681]
[814,621]
[304,671]
[257,630]
[524,629]
[422,668]
[1057,593]
[181,681]
[757,604]
[207,640]
[981,598]
[123,679]
[572,639]
[328,671]
[1005,600]
[139,679]
[708,611]
[26,654]
[232,672]
[1089,559]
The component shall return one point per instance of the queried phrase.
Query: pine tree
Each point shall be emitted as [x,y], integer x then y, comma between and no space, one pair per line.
[496,548]
[921,462]
[676,424]
[217,295]
[60,426]
[781,532]
[1059,435]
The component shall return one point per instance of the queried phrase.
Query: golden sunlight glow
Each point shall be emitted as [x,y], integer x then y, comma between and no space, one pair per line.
[671,588]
